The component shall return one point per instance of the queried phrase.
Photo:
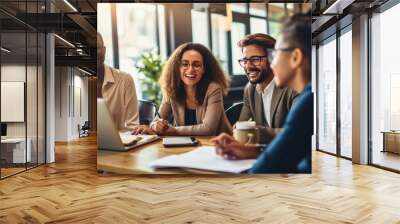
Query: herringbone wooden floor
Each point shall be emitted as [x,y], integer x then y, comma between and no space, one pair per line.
[70,191]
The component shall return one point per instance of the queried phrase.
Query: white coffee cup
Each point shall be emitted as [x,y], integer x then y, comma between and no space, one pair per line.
[246,132]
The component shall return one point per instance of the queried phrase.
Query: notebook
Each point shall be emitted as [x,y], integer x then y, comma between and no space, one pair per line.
[203,158]
[136,140]
[128,139]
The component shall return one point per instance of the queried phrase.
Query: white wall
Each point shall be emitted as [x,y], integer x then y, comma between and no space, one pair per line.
[61,104]
[71,102]
[16,73]
[33,126]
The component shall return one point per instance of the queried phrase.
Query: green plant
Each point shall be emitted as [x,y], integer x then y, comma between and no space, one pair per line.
[150,65]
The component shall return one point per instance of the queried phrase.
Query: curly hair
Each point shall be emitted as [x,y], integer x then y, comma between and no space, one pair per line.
[171,84]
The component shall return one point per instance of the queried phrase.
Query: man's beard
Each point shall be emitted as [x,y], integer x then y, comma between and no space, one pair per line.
[265,73]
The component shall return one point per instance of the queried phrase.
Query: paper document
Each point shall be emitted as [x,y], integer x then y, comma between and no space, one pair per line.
[203,158]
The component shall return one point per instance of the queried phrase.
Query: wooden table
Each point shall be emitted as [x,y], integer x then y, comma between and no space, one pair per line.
[136,161]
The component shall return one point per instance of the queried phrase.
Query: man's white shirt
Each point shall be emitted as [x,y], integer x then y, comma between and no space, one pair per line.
[267,99]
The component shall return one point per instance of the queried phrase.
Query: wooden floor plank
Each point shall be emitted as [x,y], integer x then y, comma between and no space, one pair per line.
[71,191]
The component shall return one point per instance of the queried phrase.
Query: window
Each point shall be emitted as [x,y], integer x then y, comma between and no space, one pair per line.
[209,24]
[246,18]
[200,28]
[333,106]
[327,96]
[290,8]
[258,9]
[14,75]
[22,65]
[238,31]
[276,11]
[314,89]
[385,84]
[258,25]
[274,29]
[219,40]
[394,102]
[134,36]
[346,94]
[162,33]
[239,7]
[105,30]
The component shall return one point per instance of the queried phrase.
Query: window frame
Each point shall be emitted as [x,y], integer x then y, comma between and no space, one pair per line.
[333,37]
[42,38]
[340,33]
[238,17]
[381,9]
[114,32]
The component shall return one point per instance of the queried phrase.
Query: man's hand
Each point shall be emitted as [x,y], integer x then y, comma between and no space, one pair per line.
[142,130]
[229,148]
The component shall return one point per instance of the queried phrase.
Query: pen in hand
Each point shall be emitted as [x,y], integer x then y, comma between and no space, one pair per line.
[166,126]
[158,115]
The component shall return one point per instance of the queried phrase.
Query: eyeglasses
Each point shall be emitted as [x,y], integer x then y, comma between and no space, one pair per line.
[195,65]
[272,52]
[255,60]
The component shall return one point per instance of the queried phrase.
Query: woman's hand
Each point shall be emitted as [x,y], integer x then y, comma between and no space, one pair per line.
[229,148]
[142,130]
[170,131]
[160,126]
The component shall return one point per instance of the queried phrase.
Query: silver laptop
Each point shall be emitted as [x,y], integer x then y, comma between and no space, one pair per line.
[108,136]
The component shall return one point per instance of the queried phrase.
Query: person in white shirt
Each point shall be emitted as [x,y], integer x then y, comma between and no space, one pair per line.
[264,102]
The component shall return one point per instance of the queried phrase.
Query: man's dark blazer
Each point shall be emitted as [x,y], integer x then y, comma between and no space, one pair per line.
[290,150]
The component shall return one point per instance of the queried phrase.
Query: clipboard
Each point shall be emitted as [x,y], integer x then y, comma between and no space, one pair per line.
[179,141]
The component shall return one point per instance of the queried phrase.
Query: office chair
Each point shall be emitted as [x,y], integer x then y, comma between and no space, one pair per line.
[84,130]
[147,111]
[233,112]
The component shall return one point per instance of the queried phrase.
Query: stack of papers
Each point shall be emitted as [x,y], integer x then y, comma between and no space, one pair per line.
[203,158]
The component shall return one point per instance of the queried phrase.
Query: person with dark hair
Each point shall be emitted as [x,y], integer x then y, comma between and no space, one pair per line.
[263,101]
[193,85]
[290,150]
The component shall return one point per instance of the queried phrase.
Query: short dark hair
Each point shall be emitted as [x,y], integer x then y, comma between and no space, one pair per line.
[296,30]
[263,40]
